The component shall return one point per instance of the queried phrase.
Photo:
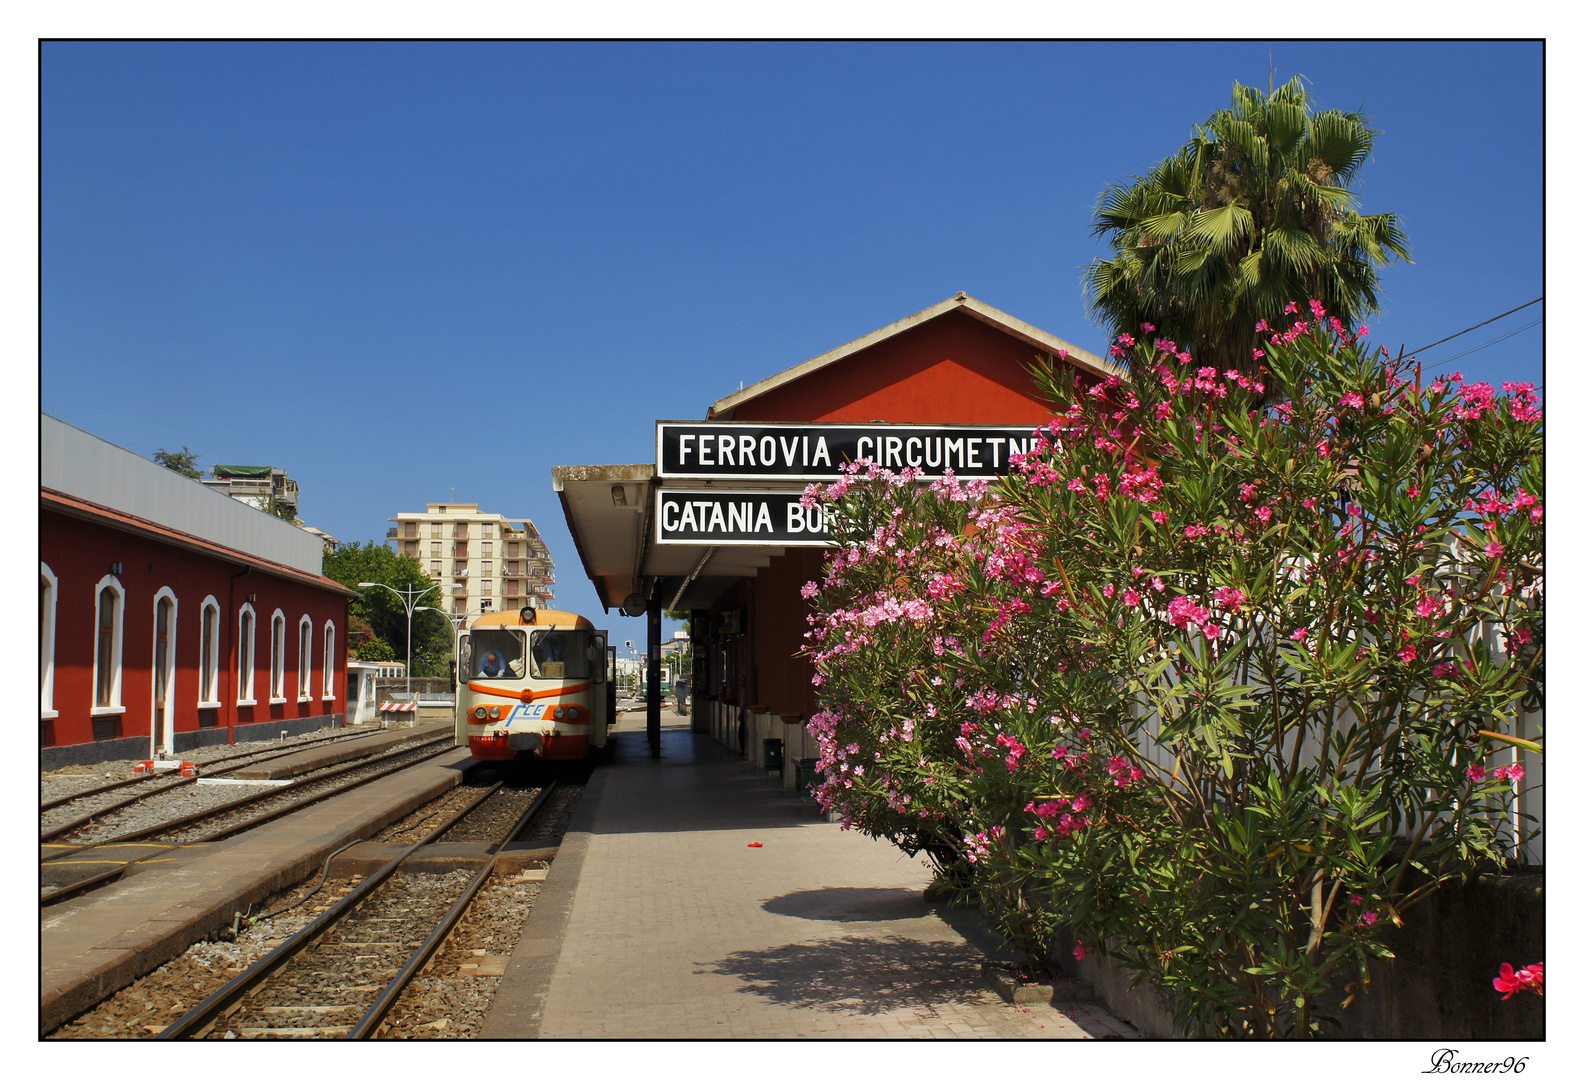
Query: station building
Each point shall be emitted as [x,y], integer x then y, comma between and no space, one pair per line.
[713,526]
[170,615]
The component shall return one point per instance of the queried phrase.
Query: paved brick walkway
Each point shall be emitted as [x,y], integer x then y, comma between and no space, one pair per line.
[677,928]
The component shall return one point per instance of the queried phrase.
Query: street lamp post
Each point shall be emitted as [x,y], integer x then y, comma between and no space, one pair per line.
[409,600]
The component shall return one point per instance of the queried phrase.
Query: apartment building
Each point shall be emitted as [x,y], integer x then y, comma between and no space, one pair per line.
[482,561]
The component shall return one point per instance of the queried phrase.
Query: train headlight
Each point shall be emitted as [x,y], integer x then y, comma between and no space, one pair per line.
[494,712]
[481,713]
[572,712]
[560,712]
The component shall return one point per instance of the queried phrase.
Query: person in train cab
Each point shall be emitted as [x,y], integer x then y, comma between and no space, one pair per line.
[493,666]
[549,648]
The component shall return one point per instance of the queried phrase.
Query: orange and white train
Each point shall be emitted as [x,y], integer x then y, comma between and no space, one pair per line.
[534,683]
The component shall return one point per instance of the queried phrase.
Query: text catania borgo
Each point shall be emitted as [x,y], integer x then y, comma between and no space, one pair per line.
[738,517]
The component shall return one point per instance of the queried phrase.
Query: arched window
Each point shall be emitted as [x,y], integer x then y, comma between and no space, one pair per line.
[304,657]
[329,662]
[164,657]
[109,602]
[246,627]
[277,657]
[209,656]
[49,589]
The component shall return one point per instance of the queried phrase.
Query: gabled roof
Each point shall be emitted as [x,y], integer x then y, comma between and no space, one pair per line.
[1050,343]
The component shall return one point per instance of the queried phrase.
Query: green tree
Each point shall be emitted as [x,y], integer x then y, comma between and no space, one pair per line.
[1253,213]
[184,461]
[384,613]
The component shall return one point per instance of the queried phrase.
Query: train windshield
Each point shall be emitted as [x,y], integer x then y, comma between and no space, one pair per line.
[497,654]
[561,654]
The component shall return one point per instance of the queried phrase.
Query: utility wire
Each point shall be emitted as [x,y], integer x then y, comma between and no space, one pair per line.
[1476,326]
[1492,341]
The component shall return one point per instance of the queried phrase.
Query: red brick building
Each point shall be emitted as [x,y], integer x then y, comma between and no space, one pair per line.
[914,390]
[171,616]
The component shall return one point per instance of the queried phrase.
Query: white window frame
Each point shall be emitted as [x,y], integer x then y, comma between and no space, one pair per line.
[168,718]
[115,708]
[47,644]
[304,659]
[278,658]
[213,674]
[328,684]
[245,664]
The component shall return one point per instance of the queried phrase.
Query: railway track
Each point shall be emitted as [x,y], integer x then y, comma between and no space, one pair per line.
[339,976]
[233,816]
[150,785]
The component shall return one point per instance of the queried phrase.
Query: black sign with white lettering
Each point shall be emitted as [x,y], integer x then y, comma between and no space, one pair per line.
[738,517]
[731,451]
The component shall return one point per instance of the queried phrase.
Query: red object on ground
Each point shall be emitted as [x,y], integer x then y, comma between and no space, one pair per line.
[756,845]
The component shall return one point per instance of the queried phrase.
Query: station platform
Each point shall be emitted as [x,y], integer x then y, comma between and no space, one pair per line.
[695,898]
[93,945]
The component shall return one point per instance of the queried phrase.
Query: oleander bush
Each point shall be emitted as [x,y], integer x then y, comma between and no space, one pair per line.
[1201,681]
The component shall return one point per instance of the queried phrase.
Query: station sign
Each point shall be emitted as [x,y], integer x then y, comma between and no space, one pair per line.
[717,517]
[810,452]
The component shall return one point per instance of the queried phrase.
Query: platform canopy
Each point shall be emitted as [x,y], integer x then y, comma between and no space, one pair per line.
[611,511]
[951,384]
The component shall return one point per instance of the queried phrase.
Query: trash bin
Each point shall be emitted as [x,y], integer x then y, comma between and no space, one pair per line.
[808,779]
[772,755]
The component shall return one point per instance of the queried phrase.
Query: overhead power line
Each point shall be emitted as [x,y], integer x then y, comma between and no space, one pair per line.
[1492,341]
[1476,326]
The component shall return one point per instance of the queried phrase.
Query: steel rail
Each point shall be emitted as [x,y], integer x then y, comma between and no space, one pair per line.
[267,752]
[193,818]
[371,1020]
[77,888]
[197,1020]
[88,819]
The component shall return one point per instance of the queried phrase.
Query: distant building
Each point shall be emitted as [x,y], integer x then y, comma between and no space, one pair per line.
[254,485]
[170,616]
[481,561]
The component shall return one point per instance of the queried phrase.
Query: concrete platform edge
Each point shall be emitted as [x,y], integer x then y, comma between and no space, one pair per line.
[75,984]
[519,1003]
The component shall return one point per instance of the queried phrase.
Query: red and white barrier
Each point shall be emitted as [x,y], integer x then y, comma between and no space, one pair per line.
[186,768]
[398,706]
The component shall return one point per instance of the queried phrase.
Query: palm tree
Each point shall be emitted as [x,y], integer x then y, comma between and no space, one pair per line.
[1251,214]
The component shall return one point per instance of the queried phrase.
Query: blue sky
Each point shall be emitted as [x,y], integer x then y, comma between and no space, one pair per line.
[413,272]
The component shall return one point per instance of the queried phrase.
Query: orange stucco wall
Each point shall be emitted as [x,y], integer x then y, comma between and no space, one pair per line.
[953,369]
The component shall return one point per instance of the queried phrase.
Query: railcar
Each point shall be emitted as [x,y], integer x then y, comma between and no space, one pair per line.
[534,683]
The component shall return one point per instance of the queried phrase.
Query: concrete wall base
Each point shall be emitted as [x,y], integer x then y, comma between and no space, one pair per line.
[1439,987]
[136,747]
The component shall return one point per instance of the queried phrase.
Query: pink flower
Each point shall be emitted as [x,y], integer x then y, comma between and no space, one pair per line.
[1194,531]
[1476,773]
[1300,633]
[1352,400]
[1355,899]
[1531,978]
[1130,598]
[1079,953]
[1427,607]
[810,590]
[1159,516]
[1407,654]
[1514,773]
[1368,918]
[1494,549]
[1108,590]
